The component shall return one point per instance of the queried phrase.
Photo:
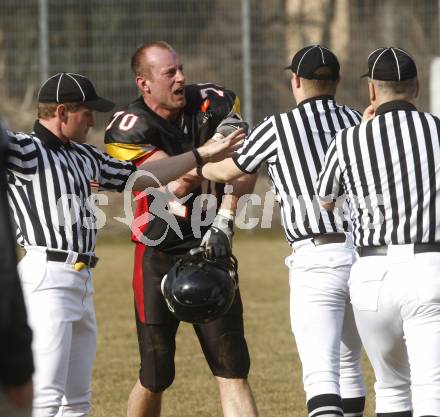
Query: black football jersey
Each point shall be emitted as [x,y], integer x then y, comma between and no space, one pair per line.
[136,132]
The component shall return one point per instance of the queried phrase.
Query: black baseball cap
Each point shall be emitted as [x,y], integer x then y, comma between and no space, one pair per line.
[306,61]
[67,87]
[390,64]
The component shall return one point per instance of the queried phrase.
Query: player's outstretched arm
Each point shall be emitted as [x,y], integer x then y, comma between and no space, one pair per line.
[223,171]
[169,169]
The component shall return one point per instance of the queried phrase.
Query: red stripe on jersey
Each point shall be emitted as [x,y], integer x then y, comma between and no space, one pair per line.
[138,280]
[142,204]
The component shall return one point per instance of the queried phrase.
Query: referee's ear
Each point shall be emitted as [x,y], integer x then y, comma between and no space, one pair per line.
[296,80]
[61,113]
[372,92]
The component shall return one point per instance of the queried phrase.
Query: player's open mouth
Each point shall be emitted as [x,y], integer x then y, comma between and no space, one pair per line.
[179,91]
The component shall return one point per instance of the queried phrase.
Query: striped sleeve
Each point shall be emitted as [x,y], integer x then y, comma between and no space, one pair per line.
[260,146]
[113,173]
[22,155]
[329,186]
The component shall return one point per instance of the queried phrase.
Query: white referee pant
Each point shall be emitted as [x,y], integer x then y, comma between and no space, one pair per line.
[61,314]
[322,318]
[396,301]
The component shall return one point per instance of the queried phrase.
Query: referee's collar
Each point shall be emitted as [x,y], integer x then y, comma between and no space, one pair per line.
[395,105]
[308,100]
[47,137]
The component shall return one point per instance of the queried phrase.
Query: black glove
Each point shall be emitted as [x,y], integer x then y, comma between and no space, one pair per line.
[217,241]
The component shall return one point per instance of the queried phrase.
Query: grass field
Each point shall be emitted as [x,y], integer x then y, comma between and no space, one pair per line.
[275,375]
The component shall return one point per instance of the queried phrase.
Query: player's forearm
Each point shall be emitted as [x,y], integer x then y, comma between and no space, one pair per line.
[164,170]
[212,173]
[224,171]
[241,186]
[176,166]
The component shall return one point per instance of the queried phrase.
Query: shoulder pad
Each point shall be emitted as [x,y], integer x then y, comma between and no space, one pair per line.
[131,125]
[215,98]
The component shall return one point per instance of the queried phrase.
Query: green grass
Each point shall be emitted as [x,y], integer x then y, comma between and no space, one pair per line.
[275,375]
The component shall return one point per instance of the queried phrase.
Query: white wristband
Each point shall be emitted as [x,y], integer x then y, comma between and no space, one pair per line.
[229,214]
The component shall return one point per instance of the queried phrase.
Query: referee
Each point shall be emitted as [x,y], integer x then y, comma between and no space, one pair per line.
[389,168]
[293,145]
[50,175]
[16,364]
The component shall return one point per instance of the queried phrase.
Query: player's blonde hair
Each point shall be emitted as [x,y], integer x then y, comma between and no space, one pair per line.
[139,62]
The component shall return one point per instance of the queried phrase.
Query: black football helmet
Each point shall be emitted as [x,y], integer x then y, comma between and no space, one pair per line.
[199,290]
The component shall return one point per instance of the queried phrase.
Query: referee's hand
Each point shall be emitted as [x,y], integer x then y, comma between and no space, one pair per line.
[368,113]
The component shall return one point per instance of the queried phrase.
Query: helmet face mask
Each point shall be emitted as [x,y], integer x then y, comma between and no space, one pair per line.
[199,290]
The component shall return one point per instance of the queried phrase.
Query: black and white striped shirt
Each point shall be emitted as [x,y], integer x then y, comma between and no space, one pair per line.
[389,169]
[293,145]
[50,189]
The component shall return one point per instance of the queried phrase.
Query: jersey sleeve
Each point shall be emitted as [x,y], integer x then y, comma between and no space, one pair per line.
[22,157]
[329,186]
[260,146]
[113,173]
[128,137]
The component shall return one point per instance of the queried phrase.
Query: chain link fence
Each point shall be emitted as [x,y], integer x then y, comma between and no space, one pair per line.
[241,44]
[98,37]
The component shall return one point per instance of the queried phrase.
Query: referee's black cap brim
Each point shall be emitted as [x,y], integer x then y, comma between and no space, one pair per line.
[100,104]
